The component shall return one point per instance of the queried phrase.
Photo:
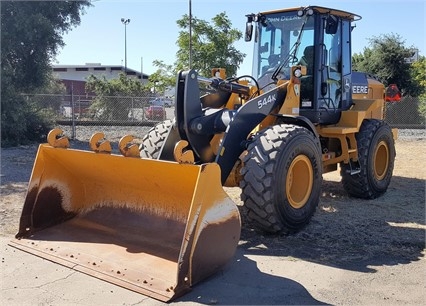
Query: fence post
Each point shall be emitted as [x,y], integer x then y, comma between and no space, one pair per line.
[133,110]
[73,136]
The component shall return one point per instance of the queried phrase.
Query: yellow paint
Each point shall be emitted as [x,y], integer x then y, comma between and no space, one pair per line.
[159,192]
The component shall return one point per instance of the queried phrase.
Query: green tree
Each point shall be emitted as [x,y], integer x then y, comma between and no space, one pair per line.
[31,35]
[212,45]
[386,59]
[164,77]
[45,107]
[110,102]
[418,73]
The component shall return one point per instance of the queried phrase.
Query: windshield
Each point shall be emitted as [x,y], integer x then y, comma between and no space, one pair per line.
[280,41]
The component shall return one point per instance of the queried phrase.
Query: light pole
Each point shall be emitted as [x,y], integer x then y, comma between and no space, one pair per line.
[190,35]
[125,22]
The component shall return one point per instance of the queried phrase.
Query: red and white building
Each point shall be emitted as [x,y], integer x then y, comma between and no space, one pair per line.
[74,76]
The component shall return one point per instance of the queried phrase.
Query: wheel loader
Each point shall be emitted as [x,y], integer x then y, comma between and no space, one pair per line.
[157,220]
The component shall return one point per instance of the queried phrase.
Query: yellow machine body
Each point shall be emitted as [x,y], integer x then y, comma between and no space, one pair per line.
[365,106]
[151,226]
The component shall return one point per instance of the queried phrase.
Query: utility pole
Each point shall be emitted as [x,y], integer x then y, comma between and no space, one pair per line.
[142,70]
[125,22]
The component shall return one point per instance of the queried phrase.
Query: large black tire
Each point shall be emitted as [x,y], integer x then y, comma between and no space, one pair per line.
[376,157]
[153,141]
[282,177]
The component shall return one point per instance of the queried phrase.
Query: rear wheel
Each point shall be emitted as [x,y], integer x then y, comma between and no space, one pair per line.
[376,157]
[153,141]
[282,177]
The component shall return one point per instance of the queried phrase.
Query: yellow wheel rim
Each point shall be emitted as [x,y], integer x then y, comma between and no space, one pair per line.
[381,160]
[299,181]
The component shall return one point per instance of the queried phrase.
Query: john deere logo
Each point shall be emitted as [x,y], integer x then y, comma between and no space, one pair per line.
[360,89]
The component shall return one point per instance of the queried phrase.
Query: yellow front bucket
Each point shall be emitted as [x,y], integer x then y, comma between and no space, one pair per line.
[155,227]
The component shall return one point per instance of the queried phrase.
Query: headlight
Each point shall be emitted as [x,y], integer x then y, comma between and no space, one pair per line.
[307,10]
[297,73]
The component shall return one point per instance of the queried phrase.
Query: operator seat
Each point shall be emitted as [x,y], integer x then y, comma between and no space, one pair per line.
[307,81]
[308,59]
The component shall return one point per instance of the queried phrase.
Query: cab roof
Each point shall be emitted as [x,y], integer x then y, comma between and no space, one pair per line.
[321,10]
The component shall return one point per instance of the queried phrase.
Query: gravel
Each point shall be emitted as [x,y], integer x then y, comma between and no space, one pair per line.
[411,134]
[114,133]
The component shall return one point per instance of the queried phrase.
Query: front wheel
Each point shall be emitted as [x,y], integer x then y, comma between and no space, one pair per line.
[153,141]
[282,177]
[376,157]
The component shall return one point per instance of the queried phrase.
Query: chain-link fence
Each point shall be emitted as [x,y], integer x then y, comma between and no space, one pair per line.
[76,111]
[405,113]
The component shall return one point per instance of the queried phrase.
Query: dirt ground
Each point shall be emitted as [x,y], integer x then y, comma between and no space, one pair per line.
[355,252]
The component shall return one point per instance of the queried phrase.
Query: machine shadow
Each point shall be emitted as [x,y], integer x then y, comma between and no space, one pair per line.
[353,234]
[243,283]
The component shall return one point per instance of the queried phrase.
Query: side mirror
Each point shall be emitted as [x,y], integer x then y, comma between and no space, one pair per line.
[249,28]
[331,24]
[249,31]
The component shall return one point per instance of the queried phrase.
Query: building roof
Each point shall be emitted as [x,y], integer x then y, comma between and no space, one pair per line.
[97,68]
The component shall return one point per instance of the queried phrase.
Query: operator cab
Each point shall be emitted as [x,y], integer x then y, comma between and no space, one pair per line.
[315,37]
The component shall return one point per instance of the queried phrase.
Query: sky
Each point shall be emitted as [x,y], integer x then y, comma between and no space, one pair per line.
[152,32]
